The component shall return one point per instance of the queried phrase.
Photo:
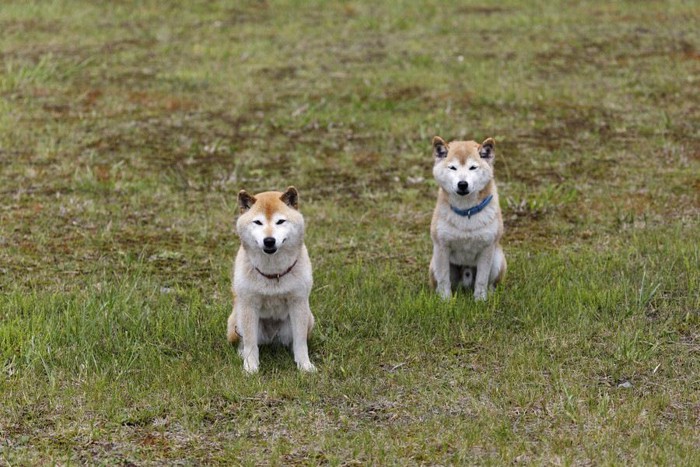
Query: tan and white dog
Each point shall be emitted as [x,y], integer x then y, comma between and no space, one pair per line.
[271,278]
[467,223]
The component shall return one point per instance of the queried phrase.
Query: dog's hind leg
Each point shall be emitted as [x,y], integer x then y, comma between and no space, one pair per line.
[498,267]
[310,325]
[231,332]
[433,282]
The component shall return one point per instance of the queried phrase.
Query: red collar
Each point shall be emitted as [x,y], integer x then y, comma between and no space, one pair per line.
[277,276]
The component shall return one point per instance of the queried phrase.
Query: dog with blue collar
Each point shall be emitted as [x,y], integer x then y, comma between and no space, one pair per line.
[467,224]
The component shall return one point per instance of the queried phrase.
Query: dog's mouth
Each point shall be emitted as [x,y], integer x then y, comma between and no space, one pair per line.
[270,251]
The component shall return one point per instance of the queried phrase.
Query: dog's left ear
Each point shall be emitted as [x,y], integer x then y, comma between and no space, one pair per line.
[291,197]
[486,151]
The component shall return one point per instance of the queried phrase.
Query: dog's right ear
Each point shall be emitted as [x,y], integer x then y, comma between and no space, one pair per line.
[245,201]
[439,148]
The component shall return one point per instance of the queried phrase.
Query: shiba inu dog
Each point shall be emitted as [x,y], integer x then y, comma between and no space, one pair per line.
[467,223]
[271,278]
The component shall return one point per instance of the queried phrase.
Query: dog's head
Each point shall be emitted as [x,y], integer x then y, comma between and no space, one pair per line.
[270,221]
[463,167]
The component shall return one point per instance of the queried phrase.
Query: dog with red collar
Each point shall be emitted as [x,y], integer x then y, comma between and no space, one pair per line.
[272,278]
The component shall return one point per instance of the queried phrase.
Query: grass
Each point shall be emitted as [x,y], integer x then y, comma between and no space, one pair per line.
[126,130]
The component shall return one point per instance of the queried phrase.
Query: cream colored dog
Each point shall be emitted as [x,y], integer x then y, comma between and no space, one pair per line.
[467,223]
[271,278]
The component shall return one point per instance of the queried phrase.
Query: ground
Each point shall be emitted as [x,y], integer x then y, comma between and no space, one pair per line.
[127,128]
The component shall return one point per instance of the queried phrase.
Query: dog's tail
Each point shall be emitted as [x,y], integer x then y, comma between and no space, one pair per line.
[498,270]
[468,277]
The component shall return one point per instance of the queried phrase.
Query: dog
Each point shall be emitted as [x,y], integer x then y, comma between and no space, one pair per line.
[272,278]
[467,224]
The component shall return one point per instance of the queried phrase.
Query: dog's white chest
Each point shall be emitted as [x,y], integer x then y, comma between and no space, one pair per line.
[273,307]
[467,238]
[465,251]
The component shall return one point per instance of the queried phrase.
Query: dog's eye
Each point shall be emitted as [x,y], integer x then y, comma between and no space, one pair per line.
[257,222]
[281,221]
[473,167]
[452,167]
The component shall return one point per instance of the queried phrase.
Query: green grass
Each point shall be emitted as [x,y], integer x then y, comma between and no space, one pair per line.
[127,128]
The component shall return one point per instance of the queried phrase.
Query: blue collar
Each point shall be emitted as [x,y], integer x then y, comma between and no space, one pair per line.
[468,213]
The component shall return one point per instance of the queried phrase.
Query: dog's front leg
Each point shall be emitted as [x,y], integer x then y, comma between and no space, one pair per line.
[483,270]
[301,320]
[249,344]
[440,266]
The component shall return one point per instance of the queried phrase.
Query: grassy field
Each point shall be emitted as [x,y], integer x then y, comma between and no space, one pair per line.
[127,128]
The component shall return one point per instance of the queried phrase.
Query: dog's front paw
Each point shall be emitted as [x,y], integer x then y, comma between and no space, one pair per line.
[480,295]
[445,293]
[307,367]
[250,365]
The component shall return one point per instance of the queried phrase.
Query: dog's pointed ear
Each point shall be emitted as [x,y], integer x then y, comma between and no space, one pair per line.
[486,150]
[291,197]
[245,201]
[439,148]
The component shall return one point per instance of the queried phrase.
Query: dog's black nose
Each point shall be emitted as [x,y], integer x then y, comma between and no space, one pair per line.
[269,242]
[462,186]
